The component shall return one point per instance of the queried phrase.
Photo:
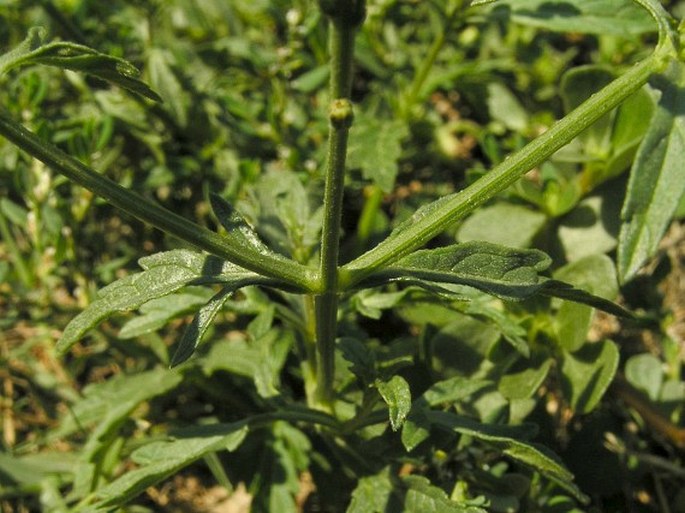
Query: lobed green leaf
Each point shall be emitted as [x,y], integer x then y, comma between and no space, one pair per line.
[397,396]
[160,460]
[374,147]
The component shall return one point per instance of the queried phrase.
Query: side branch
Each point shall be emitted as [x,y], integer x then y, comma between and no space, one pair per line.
[291,272]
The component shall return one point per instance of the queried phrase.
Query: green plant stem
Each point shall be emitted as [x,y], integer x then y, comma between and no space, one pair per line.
[458,205]
[309,363]
[283,269]
[427,63]
[342,51]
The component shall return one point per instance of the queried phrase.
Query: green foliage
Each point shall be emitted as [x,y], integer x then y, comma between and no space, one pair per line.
[158,460]
[164,273]
[332,347]
[656,186]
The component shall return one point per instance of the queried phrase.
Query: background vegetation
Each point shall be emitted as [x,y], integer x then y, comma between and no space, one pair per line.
[439,99]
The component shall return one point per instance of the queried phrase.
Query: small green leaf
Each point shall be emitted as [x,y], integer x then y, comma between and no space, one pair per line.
[29,470]
[597,275]
[164,80]
[645,372]
[373,494]
[503,223]
[160,460]
[587,374]
[656,182]
[312,80]
[453,390]
[522,384]
[397,396]
[235,224]
[374,147]
[15,213]
[505,108]
[164,273]
[423,497]
[588,229]
[15,57]
[415,430]
[192,336]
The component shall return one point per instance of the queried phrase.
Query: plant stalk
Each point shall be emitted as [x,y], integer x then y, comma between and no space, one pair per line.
[341,44]
[286,270]
[429,223]
[412,95]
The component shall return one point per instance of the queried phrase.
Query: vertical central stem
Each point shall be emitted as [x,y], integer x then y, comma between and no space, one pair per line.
[340,116]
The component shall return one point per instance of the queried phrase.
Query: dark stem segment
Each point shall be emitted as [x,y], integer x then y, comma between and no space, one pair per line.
[288,271]
[341,116]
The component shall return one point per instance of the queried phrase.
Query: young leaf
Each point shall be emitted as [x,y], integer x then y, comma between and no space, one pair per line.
[587,373]
[646,373]
[374,494]
[75,57]
[423,497]
[163,274]
[375,147]
[453,390]
[238,229]
[192,336]
[416,429]
[656,183]
[503,223]
[160,460]
[397,396]
[524,383]
[596,274]
[164,80]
